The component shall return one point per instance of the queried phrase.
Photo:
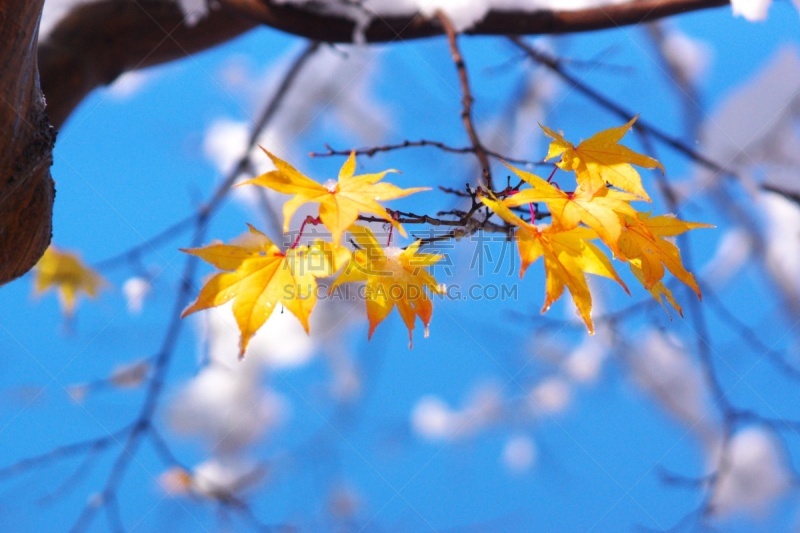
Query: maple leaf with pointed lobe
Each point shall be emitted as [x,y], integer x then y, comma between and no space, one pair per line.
[340,202]
[657,290]
[600,211]
[260,276]
[65,272]
[394,278]
[600,159]
[568,257]
[642,244]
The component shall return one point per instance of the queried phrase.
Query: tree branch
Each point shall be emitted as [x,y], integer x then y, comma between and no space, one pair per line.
[334,28]
[90,47]
[97,42]
[466,98]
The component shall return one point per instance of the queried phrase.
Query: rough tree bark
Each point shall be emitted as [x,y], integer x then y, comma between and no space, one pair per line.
[99,41]
[91,47]
[26,143]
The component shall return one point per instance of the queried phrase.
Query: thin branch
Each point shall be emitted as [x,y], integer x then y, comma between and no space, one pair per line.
[143,422]
[789,195]
[641,125]
[63,452]
[677,79]
[748,335]
[225,498]
[147,246]
[371,151]
[466,99]
[71,481]
[163,450]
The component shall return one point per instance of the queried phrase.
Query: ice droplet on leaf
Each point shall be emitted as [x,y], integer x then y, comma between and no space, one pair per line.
[330,185]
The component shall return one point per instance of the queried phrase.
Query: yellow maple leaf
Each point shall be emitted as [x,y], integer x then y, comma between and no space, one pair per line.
[340,202]
[600,211]
[394,277]
[658,290]
[568,257]
[600,159]
[260,276]
[68,275]
[643,245]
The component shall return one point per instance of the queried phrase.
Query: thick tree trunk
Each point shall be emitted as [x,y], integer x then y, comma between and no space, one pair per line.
[26,143]
[93,45]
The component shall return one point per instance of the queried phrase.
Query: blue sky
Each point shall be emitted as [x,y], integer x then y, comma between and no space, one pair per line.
[127,167]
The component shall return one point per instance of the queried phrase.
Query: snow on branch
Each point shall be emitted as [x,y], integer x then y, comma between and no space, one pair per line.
[385,21]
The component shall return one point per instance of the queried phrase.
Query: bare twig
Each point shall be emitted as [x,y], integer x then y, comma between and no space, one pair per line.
[148,246]
[62,452]
[641,125]
[371,151]
[677,79]
[466,99]
[133,434]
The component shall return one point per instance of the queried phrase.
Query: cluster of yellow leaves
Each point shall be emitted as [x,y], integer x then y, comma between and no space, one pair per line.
[595,211]
[257,275]
[67,274]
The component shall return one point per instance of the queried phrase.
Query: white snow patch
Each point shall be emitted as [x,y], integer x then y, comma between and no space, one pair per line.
[53,12]
[194,10]
[136,290]
[464,14]
[433,419]
[664,369]
[519,453]
[227,408]
[752,10]
[129,84]
[734,249]
[551,396]
[224,141]
[689,55]
[755,476]
[783,242]
[217,477]
[751,127]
